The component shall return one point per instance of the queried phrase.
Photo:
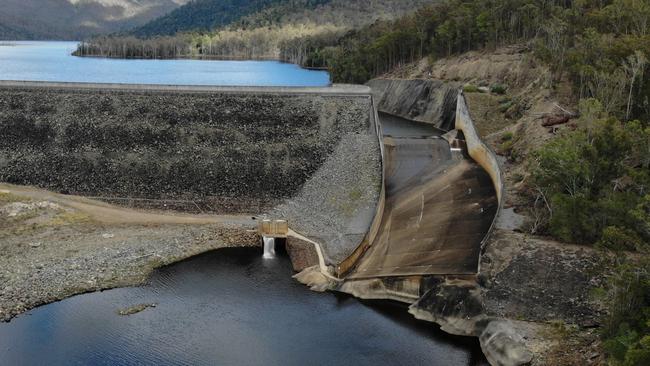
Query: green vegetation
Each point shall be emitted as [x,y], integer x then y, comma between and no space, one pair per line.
[626,331]
[595,181]
[498,89]
[202,15]
[288,30]
[600,45]
[469,88]
[508,140]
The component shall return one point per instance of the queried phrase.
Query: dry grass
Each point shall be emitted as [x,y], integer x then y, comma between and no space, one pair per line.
[6,198]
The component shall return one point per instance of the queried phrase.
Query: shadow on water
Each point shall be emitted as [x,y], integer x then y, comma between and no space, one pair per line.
[228,307]
[398,313]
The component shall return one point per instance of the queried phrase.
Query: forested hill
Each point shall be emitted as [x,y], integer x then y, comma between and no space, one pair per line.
[7,32]
[202,15]
[76,19]
[254,32]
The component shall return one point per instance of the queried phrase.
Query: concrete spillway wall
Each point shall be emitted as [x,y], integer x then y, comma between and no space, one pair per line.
[480,152]
[227,149]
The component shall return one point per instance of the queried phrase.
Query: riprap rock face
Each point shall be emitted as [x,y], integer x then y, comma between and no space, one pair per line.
[226,151]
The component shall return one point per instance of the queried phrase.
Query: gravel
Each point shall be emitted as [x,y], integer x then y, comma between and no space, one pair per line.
[75,259]
[337,205]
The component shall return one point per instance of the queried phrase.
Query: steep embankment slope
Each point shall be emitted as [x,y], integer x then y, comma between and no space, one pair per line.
[233,150]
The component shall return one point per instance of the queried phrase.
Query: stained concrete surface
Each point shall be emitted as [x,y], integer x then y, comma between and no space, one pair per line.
[439,206]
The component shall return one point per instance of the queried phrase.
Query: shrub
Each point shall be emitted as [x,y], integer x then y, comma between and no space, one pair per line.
[617,238]
[626,330]
[594,179]
[498,89]
[469,88]
[507,136]
[503,107]
[508,140]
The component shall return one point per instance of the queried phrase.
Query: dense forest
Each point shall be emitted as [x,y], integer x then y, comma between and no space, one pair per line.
[11,33]
[202,16]
[260,34]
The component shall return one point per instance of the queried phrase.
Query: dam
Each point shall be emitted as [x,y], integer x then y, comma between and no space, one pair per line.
[374,208]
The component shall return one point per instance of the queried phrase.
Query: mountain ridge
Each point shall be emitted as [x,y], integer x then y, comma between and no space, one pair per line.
[202,16]
[76,19]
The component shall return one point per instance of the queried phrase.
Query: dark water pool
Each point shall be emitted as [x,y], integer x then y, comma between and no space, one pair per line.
[228,307]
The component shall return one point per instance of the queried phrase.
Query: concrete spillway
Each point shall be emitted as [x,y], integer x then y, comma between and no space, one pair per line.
[439,206]
[442,190]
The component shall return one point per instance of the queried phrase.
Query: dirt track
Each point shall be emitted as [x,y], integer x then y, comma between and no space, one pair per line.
[109,214]
[53,246]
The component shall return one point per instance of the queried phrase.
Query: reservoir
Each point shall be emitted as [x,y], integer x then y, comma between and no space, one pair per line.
[228,307]
[52,61]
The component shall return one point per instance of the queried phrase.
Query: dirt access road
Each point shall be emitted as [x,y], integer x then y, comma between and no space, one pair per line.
[54,246]
[109,214]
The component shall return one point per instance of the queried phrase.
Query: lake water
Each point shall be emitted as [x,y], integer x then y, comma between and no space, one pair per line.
[228,307]
[52,61]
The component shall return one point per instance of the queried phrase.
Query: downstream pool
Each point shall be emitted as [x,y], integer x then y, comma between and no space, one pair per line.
[52,61]
[228,307]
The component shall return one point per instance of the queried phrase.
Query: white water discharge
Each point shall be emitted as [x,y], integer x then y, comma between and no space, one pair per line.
[269,248]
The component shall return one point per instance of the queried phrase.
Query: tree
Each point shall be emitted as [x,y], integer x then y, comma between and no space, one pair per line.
[634,67]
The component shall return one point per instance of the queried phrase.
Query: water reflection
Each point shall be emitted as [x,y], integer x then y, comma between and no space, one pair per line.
[228,307]
[52,61]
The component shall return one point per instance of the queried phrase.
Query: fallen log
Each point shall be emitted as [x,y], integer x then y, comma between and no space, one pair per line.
[555,120]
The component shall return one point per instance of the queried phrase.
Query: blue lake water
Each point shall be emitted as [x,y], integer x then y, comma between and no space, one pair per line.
[52,61]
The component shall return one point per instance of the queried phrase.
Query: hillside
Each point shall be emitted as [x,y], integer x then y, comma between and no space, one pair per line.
[201,15]
[7,32]
[345,13]
[76,19]
[259,35]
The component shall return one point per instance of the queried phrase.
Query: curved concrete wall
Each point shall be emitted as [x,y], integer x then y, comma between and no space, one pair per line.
[480,152]
[345,264]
